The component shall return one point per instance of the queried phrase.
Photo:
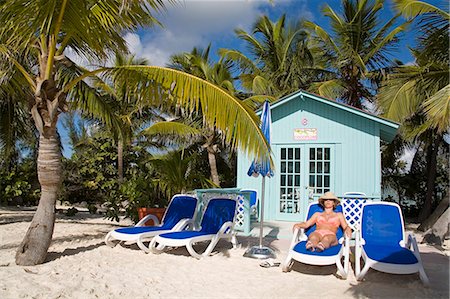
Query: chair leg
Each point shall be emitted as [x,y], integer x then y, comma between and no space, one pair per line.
[423,276]
[286,267]
[342,271]
[108,241]
[156,247]
[192,252]
[363,272]
[234,240]
[142,246]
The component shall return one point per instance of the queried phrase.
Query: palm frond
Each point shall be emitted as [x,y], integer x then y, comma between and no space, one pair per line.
[413,8]
[171,128]
[437,109]
[238,124]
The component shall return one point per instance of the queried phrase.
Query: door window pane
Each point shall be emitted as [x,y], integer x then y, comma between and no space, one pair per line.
[312,167]
[290,153]
[327,153]
[326,181]
[319,167]
[326,168]
[297,154]
[283,166]
[319,154]
[283,154]
[312,154]
[297,167]
[312,181]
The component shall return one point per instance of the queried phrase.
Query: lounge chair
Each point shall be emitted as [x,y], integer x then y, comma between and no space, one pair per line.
[253,201]
[217,223]
[179,215]
[330,256]
[352,203]
[381,242]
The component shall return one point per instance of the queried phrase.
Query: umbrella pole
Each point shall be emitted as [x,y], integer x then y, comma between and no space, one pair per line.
[261,222]
[259,251]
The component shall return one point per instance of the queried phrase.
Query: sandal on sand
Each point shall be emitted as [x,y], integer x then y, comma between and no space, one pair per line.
[309,246]
[269,264]
[320,247]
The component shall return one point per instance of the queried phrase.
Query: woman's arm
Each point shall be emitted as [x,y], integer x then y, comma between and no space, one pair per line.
[344,225]
[307,223]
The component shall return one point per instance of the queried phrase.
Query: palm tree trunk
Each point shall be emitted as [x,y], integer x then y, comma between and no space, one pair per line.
[213,165]
[211,148]
[33,249]
[120,160]
[431,177]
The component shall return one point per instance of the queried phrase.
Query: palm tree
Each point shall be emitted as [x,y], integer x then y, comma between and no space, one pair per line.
[15,123]
[281,60]
[418,95]
[93,29]
[357,49]
[124,106]
[198,63]
[177,171]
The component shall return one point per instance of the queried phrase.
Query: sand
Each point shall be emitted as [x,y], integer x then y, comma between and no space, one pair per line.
[80,265]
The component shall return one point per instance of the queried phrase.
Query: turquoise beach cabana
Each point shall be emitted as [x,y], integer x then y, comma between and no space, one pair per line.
[318,145]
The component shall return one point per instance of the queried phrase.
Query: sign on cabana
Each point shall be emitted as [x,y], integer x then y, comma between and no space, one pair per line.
[305,134]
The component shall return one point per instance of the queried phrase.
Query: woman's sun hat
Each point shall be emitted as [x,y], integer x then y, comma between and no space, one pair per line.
[328,195]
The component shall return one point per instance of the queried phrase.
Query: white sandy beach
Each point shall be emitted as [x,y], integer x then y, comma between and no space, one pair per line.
[80,265]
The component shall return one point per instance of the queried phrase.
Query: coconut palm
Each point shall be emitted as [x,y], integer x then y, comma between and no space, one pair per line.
[15,122]
[94,29]
[125,107]
[198,63]
[281,60]
[358,47]
[418,95]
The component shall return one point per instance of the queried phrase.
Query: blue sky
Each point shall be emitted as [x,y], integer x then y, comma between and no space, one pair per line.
[199,22]
[196,23]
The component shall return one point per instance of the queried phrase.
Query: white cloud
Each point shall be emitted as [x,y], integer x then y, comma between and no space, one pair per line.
[196,23]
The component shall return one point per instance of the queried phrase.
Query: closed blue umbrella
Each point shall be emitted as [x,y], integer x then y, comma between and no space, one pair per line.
[262,167]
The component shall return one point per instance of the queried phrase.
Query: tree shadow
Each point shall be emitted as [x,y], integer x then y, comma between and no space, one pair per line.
[52,256]
[222,248]
[384,285]
[267,240]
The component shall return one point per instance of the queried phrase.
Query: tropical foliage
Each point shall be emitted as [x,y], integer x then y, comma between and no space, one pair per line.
[43,32]
[125,109]
[282,59]
[418,95]
[358,46]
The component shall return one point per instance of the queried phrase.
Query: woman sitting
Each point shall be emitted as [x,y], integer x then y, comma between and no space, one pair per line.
[327,224]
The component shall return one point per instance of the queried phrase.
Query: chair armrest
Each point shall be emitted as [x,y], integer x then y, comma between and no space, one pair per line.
[147,218]
[183,224]
[412,242]
[226,226]
[299,233]
[345,240]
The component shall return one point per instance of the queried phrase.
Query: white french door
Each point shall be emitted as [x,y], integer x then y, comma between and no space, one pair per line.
[302,172]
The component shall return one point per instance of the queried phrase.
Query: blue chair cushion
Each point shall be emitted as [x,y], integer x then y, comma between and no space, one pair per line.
[139,229]
[183,235]
[390,254]
[301,248]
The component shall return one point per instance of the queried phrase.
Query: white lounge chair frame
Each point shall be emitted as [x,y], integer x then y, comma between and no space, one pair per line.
[387,267]
[300,236]
[183,224]
[159,243]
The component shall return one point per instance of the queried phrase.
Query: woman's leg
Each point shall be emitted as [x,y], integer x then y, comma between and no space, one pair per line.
[313,240]
[326,242]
